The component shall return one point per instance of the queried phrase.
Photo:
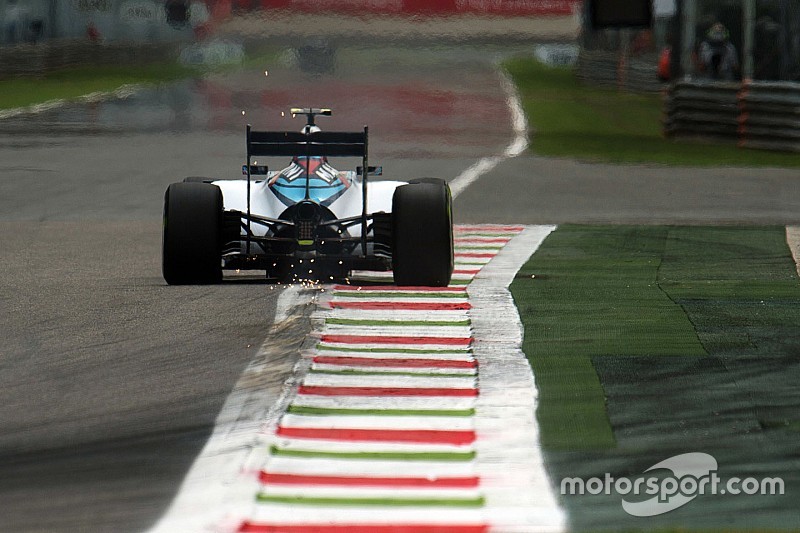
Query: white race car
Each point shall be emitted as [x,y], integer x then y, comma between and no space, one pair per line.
[308,216]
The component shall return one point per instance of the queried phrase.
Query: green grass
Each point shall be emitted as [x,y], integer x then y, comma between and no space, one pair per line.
[72,83]
[75,82]
[595,291]
[719,374]
[739,287]
[571,120]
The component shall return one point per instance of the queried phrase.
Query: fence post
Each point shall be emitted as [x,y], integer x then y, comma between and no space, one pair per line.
[624,56]
[688,14]
[741,102]
[749,31]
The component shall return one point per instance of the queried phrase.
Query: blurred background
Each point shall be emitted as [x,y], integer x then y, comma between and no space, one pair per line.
[716,62]
[112,381]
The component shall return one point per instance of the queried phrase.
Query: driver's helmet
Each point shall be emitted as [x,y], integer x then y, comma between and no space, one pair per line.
[309,163]
[325,183]
[718,33]
[310,129]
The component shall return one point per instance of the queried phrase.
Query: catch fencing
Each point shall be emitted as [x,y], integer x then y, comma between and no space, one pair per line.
[754,114]
[613,69]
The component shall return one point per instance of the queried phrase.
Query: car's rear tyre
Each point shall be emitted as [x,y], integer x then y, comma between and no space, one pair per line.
[422,228]
[192,237]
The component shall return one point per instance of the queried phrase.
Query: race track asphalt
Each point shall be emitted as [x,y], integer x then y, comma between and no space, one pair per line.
[110,380]
[537,190]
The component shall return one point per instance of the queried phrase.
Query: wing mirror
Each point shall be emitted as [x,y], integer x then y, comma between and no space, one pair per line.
[256,170]
[374,171]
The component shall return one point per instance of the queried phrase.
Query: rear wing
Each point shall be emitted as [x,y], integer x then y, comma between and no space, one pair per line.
[318,143]
[293,143]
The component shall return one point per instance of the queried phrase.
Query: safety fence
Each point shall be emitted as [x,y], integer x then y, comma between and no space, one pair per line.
[752,114]
[612,69]
[40,58]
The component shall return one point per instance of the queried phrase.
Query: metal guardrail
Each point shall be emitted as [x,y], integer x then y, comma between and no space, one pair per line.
[753,114]
[770,115]
[40,58]
[702,110]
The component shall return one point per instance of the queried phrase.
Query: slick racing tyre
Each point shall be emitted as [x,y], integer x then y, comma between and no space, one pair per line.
[422,225]
[192,234]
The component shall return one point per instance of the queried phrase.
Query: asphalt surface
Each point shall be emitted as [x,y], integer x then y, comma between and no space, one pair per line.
[110,380]
[536,190]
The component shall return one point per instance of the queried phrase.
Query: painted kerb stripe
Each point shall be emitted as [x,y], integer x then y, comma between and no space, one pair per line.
[385,302]
[363,440]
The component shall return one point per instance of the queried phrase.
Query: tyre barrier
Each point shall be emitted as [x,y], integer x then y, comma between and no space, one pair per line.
[751,114]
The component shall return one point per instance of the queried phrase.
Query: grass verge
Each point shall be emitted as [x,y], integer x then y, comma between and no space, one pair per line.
[592,291]
[72,83]
[569,119]
[75,82]
[652,292]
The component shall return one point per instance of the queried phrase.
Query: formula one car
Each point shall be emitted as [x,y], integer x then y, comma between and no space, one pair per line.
[308,220]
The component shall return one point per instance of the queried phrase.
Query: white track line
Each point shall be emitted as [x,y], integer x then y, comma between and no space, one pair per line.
[398,355]
[364,314]
[426,350]
[445,423]
[330,445]
[346,380]
[371,402]
[793,240]
[121,93]
[287,513]
[316,491]
[402,330]
[214,485]
[519,495]
[323,367]
[383,467]
[517,146]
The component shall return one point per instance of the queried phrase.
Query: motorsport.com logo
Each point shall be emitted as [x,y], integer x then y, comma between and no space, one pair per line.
[693,474]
